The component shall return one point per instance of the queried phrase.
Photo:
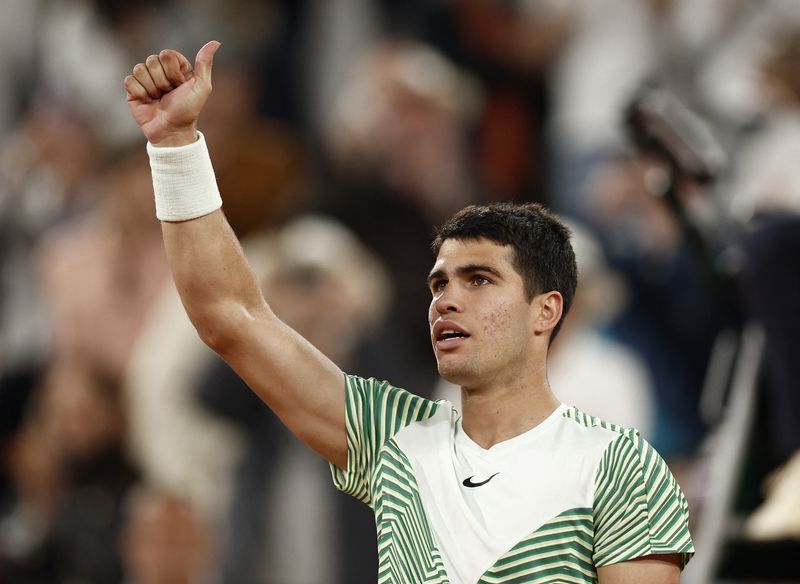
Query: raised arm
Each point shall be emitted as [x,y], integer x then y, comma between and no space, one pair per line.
[218,288]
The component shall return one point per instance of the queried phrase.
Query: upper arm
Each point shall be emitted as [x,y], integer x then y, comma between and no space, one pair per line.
[375,411]
[302,386]
[653,569]
[639,510]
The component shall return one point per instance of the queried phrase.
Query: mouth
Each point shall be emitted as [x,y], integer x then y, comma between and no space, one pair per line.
[447,335]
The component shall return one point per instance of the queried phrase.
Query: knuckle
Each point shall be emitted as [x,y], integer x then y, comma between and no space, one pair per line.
[139,68]
[152,60]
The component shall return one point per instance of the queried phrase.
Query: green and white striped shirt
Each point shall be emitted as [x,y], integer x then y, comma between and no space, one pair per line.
[549,506]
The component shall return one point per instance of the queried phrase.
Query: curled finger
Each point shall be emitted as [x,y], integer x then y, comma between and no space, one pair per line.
[142,75]
[135,90]
[176,66]
[157,73]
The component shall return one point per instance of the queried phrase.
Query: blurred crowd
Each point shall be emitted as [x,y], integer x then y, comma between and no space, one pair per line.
[342,131]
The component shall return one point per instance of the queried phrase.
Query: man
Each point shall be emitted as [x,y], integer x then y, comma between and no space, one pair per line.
[521,487]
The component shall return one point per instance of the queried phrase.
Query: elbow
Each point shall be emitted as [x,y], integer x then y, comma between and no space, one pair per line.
[215,336]
[224,328]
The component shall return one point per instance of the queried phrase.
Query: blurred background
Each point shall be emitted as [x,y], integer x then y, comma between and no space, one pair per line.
[666,132]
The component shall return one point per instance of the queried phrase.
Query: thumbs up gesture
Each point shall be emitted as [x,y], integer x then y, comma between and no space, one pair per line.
[165,94]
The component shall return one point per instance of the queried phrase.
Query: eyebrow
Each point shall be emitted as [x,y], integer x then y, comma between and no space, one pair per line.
[465,270]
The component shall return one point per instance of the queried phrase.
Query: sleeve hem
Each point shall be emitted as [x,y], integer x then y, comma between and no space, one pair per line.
[685,556]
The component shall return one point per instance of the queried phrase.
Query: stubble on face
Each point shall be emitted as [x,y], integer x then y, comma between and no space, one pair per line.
[497,350]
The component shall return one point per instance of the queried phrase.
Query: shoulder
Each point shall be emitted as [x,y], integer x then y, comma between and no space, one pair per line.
[380,399]
[619,450]
[585,420]
[597,431]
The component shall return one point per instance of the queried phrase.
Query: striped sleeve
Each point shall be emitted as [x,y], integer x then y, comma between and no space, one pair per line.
[639,509]
[375,411]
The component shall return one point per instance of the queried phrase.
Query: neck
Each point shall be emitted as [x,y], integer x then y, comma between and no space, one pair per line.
[503,409]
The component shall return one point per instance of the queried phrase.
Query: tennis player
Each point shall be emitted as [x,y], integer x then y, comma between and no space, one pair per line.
[518,487]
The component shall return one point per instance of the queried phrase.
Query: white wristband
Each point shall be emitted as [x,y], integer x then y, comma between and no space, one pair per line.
[183,181]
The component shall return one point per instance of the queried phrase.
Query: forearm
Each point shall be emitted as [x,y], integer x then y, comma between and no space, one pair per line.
[215,282]
[213,278]
[225,304]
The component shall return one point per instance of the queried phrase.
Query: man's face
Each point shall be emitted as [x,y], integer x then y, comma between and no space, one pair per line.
[479,318]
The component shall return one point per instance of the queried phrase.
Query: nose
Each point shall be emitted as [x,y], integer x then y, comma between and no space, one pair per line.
[446,302]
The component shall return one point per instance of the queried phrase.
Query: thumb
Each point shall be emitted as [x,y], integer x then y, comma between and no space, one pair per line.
[204,60]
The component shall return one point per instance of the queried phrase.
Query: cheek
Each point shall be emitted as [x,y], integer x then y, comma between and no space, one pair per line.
[432,314]
[498,320]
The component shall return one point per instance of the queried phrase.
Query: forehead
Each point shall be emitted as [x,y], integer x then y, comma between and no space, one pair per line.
[461,252]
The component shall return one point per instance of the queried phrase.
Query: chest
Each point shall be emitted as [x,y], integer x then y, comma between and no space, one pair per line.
[475,506]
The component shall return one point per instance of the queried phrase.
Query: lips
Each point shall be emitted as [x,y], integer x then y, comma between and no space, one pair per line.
[447,334]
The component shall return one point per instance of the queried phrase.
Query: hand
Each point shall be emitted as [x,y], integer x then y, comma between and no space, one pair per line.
[166,96]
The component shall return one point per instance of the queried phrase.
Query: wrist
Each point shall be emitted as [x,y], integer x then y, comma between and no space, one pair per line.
[183,180]
[181,137]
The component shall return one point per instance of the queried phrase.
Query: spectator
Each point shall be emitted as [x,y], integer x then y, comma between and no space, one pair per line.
[165,540]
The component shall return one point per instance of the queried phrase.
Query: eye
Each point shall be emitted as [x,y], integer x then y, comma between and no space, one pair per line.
[438,285]
[480,280]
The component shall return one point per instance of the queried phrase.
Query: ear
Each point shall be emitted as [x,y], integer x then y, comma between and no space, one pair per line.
[547,310]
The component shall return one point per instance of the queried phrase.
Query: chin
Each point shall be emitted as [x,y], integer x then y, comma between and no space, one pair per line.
[456,372]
